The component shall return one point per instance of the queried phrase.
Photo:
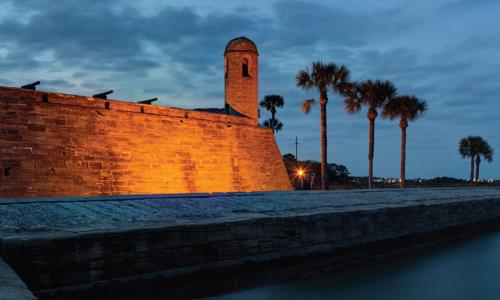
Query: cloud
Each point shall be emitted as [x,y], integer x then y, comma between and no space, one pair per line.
[301,24]
[174,52]
[5,82]
[57,83]
[461,5]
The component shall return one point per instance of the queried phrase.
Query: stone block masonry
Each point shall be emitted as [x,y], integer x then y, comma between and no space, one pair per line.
[173,247]
[63,145]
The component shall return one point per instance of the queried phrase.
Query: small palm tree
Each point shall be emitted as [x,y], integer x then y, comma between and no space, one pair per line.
[483,150]
[323,77]
[374,95]
[271,103]
[406,108]
[274,124]
[468,147]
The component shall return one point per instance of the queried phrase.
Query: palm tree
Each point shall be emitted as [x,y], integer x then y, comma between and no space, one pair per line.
[373,94]
[406,108]
[323,77]
[270,103]
[484,150]
[274,124]
[468,147]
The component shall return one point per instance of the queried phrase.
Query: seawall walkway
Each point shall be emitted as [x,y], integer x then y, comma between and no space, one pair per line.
[179,246]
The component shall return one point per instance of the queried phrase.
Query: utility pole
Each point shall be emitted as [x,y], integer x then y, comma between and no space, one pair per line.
[296,147]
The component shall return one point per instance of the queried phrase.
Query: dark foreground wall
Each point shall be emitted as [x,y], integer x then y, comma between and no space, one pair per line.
[204,258]
[64,145]
[11,286]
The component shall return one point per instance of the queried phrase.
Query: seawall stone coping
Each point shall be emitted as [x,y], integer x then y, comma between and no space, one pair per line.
[11,286]
[26,219]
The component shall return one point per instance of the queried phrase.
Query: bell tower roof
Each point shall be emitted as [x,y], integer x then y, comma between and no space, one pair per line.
[241,44]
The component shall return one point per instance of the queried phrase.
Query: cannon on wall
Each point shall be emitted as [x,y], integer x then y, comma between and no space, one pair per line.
[103,95]
[149,101]
[31,86]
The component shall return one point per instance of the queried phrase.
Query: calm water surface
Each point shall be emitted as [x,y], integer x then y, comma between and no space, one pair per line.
[466,269]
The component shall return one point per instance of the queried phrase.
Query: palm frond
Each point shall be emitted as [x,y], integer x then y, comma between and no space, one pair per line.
[275,124]
[352,101]
[464,147]
[304,79]
[322,74]
[404,107]
[373,94]
[484,149]
[341,83]
[471,146]
[272,101]
[307,105]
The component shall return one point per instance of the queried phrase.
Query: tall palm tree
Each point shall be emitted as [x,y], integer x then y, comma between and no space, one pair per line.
[374,95]
[323,77]
[483,150]
[468,147]
[274,124]
[406,108]
[270,103]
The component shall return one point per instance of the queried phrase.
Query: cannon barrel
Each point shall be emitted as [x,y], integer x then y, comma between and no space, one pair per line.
[149,101]
[103,95]
[31,86]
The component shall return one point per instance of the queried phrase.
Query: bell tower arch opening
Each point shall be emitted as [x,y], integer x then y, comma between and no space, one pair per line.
[244,68]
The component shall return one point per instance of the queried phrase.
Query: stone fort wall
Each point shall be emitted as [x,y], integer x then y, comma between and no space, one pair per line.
[64,145]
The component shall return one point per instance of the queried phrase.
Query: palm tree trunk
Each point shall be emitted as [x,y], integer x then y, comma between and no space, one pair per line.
[472,170]
[372,114]
[403,124]
[478,162]
[324,181]
[273,114]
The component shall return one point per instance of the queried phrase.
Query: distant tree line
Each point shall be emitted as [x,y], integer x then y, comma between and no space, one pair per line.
[310,175]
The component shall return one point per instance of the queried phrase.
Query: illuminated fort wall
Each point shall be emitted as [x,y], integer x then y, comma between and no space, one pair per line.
[55,144]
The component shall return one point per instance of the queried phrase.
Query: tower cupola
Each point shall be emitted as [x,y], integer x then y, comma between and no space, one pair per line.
[241,77]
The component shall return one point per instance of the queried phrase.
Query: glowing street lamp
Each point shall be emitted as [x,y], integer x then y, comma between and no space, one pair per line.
[300,175]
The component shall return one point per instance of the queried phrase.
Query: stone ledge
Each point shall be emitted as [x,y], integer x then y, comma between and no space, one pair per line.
[210,280]
[11,286]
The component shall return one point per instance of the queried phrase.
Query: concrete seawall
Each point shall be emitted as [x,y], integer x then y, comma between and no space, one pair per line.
[190,246]
[11,286]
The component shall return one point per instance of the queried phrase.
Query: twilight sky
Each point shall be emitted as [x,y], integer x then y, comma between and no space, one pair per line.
[446,52]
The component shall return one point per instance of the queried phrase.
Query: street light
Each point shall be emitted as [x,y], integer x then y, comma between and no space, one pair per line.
[300,174]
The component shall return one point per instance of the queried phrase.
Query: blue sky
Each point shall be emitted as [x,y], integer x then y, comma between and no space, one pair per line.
[445,52]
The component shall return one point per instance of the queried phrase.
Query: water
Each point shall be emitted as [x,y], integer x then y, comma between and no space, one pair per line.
[466,269]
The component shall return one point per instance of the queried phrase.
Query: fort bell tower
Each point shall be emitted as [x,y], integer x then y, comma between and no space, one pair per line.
[241,78]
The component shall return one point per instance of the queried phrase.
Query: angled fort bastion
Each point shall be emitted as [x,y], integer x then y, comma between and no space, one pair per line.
[55,144]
